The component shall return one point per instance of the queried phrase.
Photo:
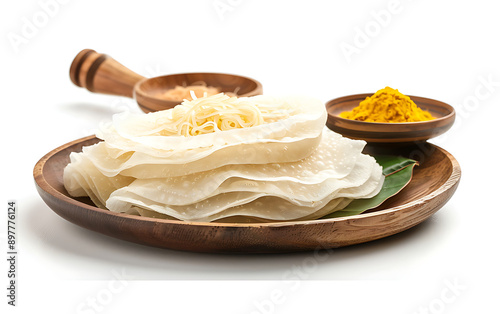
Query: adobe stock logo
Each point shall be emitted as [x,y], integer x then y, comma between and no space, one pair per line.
[449,294]
[30,27]
[222,7]
[292,279]
[364,35]
[98,302]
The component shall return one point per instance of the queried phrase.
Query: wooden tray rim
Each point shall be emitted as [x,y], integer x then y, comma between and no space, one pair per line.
[45,186]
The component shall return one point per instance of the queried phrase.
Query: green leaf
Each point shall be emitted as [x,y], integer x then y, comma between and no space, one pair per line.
[391,164]
[398,172]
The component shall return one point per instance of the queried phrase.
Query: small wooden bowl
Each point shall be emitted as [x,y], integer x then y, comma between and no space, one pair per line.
[390,133]
[148,92]
[99,73]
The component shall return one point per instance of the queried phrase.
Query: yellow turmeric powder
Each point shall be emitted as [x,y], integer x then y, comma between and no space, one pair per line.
[387,105]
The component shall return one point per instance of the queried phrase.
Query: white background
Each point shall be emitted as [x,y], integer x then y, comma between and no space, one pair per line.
[437,49]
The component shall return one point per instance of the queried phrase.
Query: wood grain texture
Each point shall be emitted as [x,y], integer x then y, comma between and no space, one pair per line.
[99,73]
[397,133]
[433,183]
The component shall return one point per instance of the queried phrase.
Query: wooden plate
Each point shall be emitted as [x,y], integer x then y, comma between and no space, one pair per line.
[433,183]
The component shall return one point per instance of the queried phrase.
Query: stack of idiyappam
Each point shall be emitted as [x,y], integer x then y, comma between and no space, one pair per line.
[227,159]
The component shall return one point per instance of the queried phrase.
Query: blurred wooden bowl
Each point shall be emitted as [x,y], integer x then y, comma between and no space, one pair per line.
[390,133]
[148,92]
[99,73]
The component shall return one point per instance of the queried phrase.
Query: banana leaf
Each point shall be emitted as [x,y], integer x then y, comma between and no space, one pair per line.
[398,172]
